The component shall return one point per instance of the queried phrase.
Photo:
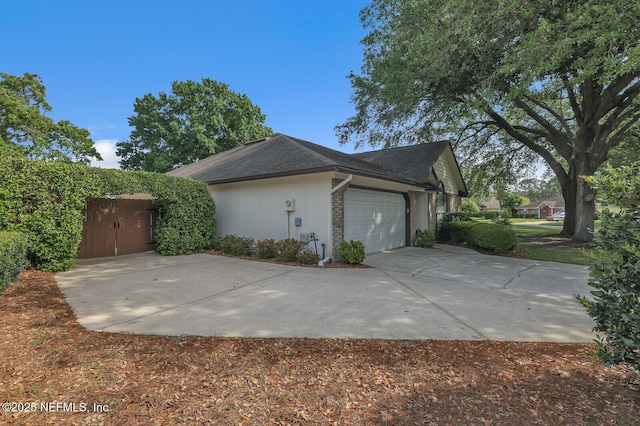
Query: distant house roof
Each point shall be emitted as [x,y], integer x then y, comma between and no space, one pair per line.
[556,202]
[490,203]
[282,155]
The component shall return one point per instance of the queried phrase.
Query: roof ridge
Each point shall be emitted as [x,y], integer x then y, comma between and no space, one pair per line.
[302,142]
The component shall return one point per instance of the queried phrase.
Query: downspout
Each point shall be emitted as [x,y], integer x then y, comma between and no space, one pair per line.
[334,190]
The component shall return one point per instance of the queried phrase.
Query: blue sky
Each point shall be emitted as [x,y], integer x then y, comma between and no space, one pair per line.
[290,57]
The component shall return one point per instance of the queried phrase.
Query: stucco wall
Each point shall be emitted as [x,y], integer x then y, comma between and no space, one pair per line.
[257,209]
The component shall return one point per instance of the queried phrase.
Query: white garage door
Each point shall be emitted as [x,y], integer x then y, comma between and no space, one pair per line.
[376,218]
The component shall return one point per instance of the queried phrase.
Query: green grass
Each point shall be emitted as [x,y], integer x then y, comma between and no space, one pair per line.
[533,230]
[575,256]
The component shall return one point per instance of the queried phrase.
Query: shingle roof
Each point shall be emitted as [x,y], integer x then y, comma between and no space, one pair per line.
[556,202]
[282,155]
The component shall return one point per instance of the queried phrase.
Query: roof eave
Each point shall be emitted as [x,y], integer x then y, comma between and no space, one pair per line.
[332,168]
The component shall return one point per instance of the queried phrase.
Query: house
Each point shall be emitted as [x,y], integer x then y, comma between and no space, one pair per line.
[542,209]
[283,187]
[490,203]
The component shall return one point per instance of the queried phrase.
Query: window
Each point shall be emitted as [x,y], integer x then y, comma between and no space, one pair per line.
[441,200]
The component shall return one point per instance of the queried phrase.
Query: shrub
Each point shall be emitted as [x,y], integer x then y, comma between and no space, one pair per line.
[45,199]
[470,207]
[351,252]
[13,257]
[443,229]
[308,257]
[288,249]
[233,244]
[425,238]
[497,238]
[490,214]
[503,218]
[615,305]
[266,249]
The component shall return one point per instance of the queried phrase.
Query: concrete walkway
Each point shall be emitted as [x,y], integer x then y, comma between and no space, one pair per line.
[411,293]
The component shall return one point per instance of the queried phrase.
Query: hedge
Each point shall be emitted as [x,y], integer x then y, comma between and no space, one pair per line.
[45,200]
[13,257]
[497,238]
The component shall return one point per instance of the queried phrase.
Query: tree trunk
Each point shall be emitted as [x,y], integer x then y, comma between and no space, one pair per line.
[585,210]
[579,201]
[569,190]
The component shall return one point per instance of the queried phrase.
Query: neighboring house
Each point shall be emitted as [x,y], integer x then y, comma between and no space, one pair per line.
[491,203]
[542,209]
[283,187]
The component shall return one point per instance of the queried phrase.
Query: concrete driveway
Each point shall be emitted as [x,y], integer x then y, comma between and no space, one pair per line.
[410,293]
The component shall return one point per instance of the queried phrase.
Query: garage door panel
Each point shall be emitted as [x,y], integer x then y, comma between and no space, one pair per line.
[374,217]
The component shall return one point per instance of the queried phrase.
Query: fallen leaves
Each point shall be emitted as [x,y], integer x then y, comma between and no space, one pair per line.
[46,356]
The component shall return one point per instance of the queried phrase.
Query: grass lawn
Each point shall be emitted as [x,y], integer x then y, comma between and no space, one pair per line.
[47,357]
[547,244]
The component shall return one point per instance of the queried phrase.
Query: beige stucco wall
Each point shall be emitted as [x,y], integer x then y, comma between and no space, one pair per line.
[257,209]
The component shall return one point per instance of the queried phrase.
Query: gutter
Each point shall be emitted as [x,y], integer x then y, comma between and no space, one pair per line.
[342,184]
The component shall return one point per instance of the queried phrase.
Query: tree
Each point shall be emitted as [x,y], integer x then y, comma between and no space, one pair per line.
[25,130]
[538,189]
[510,201]
[515,81]
[615,305]
[194,121]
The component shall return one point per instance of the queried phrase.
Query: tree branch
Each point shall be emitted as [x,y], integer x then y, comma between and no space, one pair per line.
[501,122]
[575,106]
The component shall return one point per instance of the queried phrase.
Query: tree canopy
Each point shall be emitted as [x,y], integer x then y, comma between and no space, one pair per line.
[512,82]
[26,130]
[194,121]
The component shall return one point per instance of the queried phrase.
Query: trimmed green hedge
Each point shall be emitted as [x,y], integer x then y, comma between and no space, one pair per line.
[497,238]
[13,257]
[352,252]
[45,200]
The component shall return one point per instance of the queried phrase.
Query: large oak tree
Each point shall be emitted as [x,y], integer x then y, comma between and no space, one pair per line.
[511,81]
[194,121]
[27,130]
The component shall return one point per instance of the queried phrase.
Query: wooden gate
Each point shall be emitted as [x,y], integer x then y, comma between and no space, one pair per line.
[115,227]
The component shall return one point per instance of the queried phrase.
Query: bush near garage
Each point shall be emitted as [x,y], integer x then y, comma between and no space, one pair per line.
[615,274]
[233,244]
[13,257]
[266,249]
[45,200]
[493,237]
[425,238]
[352,252]
[288,249]
[308,257]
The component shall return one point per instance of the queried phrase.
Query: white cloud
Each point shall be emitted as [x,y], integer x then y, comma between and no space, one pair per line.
[107,149]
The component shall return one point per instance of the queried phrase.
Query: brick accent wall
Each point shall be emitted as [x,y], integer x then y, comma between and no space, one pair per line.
[337,218]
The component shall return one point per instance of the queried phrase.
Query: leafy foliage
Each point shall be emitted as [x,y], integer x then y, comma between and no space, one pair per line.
[45,201]
[493,237]
[26,131]
[351,252]
[615,276]
[288,249]
[425,238]
[13,257]
[514,82]
[266,249]
[194,121]
[469,206]
[308,257]
[233,244]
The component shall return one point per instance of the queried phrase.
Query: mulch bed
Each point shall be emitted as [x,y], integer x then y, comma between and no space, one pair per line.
[279,262]
[47,357]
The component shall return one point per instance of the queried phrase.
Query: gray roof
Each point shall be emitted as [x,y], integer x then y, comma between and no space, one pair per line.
[281,155]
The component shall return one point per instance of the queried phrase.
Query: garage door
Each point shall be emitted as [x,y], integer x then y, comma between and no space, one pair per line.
[374,217]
